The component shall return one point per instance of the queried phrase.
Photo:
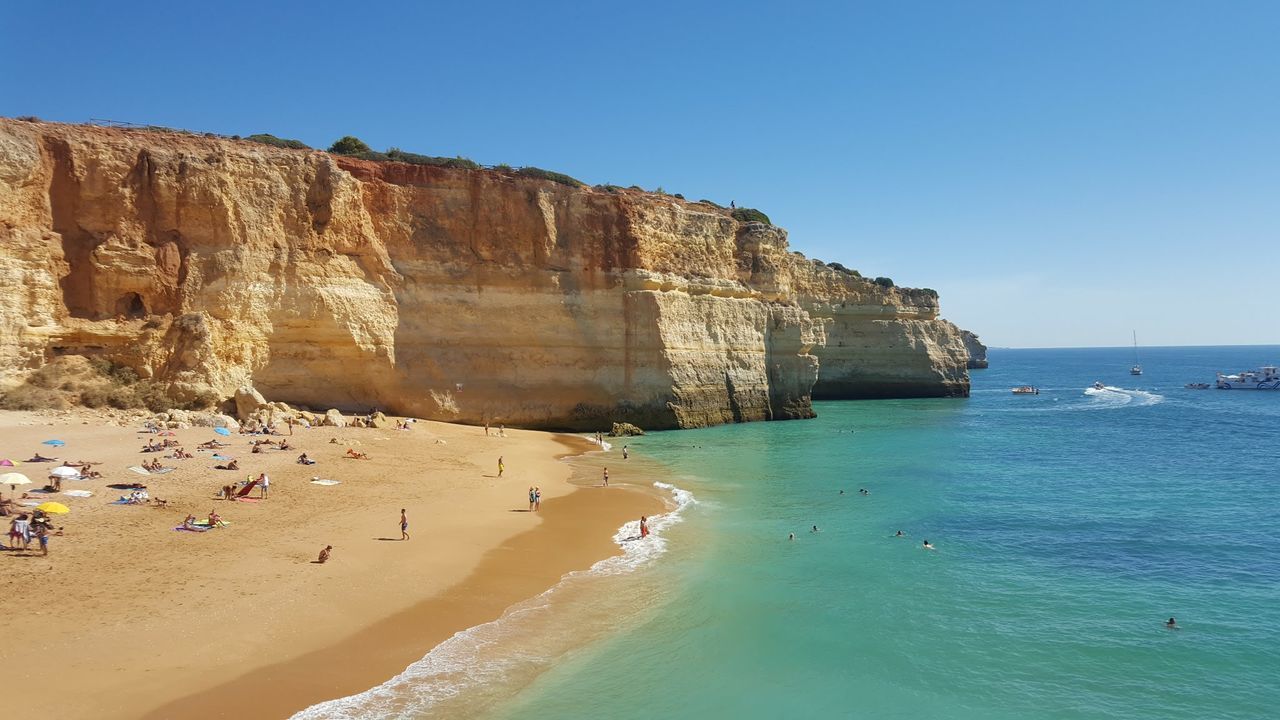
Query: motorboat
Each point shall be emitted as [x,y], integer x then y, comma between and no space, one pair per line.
[1099,386]
[1026,390]
[1265,378]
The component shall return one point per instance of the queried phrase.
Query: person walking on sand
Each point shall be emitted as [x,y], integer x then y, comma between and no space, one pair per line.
[501,467]
[404,525]
[324,554]
[606,477]
[537,498]
[624,452]
[531,498]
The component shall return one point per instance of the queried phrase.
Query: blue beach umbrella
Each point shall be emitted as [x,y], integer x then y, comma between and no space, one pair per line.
[55,443]
[222,431]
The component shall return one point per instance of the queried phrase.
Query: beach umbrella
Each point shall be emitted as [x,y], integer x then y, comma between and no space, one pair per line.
[222,431]
[9,463]
[12,479]
[65,472]
[55,443]
[54,507]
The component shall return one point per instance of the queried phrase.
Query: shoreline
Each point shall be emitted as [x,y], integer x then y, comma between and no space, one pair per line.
[273,633]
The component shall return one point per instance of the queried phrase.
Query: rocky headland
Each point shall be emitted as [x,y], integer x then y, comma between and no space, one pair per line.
[205,264]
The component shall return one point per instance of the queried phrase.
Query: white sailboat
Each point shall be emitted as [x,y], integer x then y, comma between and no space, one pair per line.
[1137,367]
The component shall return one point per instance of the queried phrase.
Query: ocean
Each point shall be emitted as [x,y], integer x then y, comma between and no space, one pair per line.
[1068,527]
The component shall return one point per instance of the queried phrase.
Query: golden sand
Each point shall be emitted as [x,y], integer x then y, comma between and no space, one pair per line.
[129,618]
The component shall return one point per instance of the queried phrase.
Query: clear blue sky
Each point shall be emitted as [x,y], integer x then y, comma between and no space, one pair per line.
[1061,172]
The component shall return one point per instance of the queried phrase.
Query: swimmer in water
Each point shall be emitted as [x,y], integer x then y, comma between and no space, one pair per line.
[841,492]
[1172,625]
[791,536]
[927,546]
[815,529]
[899,534]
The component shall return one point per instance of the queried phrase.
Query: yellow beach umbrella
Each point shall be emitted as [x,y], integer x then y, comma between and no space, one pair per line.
[14,479]
[54,507]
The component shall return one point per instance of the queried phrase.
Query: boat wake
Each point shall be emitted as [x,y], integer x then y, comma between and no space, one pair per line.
[1109,397]
[481,661]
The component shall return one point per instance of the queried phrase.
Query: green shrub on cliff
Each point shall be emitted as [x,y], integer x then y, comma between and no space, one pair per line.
[750,215]
[415,159]
[350,145]
[844,270]
[272,140]
[551,175]
[883,282]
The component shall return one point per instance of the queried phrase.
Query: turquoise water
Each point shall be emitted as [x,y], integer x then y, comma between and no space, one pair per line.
[1068,527]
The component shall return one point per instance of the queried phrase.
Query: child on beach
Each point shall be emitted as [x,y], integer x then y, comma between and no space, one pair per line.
[324,554]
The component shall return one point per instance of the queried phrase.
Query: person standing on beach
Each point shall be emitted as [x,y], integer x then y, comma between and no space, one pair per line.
[537,499]
[644,527]
[404,525]
[606,477]
[264,483]
[531,498]
[501,467]
[486,428]
[42,534]
[624,452]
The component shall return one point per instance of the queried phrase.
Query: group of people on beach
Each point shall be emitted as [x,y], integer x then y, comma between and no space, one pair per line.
[24,527]
[535,498]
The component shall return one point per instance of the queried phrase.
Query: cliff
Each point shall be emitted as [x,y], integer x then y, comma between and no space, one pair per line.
[206,264]
[976,350]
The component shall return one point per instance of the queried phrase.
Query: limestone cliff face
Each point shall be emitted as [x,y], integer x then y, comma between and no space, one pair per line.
[976,350]
[450,294]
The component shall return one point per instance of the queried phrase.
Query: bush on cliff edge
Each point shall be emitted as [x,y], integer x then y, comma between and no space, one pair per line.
[350,145]
[272,140]
[750,215]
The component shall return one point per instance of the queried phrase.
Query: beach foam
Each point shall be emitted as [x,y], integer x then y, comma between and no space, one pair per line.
[1114,397]
[485,658]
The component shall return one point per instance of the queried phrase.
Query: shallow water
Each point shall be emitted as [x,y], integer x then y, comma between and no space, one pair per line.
[1068,526]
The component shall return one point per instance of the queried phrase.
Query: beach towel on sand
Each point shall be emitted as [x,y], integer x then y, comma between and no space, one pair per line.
[78,493]
[322,481]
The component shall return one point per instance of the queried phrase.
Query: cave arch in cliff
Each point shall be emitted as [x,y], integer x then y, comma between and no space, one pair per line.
[131,306]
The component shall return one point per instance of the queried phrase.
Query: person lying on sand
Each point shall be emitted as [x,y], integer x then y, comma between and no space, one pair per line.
[211,445]
[233,465]
[324,554]
[157,502]
[40,458]
[189,522]
[357,455]
[304,460]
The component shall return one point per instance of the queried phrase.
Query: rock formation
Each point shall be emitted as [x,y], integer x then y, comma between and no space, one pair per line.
[976,350]
[468,295]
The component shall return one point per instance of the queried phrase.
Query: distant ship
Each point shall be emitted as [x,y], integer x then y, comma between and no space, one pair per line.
[1026,390]
[1267,378]
[1137,368]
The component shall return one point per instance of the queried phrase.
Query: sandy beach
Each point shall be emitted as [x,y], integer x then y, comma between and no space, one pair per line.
[129,618]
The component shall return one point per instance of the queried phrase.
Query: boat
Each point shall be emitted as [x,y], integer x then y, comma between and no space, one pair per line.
[1137,367]
[1026,390]
[1265,378]
[1099,386]
[1197,386]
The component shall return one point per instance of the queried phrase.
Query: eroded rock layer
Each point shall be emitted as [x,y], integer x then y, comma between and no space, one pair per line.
[452,294]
